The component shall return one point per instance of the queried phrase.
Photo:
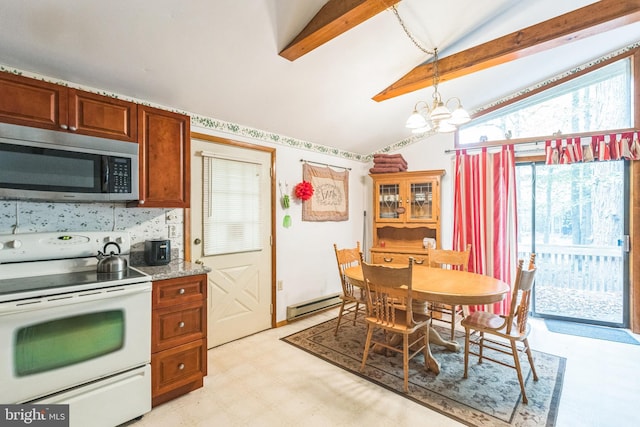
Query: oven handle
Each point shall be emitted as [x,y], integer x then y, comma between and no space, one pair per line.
[52,301]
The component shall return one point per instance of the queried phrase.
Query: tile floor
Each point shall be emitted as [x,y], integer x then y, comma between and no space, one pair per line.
[262,381]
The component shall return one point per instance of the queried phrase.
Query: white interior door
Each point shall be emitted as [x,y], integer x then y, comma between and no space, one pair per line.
[237,247]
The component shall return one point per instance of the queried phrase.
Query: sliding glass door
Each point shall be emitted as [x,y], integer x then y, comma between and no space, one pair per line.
[574,217]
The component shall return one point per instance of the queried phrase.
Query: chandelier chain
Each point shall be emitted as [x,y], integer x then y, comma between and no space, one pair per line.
[406,31]
[434,52]
[437,117]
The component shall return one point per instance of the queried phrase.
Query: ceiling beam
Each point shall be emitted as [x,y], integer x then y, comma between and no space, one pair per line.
[335,18]
[590,20]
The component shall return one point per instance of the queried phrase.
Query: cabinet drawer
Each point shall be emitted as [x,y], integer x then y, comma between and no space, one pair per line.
[397,258]
[179,366]
[173,326]
[171,292]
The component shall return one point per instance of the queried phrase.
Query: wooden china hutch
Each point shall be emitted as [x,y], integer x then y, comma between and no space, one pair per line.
[406,210]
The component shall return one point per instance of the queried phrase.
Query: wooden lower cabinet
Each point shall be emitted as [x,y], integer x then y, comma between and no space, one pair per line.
[394,257]
[178,337]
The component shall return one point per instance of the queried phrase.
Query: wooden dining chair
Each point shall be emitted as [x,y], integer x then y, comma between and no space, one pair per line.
[389,308]
[353,300]
[512,328]
[444,258]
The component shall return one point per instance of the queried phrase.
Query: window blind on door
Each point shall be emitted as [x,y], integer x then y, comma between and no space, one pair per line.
[231,206]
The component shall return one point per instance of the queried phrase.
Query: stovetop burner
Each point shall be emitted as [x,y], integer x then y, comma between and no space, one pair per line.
[36,265]
[36,286]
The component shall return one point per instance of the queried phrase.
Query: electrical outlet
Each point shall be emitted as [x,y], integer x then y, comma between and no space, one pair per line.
[173,231]
[170,218]
[279,285]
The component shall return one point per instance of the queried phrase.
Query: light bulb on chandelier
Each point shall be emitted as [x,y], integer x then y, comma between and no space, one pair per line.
[438,117]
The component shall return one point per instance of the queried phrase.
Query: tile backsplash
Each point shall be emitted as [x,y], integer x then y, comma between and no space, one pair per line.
[142,223]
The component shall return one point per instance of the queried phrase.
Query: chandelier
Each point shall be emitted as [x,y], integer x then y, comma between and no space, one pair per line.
[438,116]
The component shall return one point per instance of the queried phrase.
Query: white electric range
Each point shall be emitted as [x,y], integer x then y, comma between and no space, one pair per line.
[70,335]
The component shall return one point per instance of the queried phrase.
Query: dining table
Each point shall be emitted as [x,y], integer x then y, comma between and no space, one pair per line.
[445,286]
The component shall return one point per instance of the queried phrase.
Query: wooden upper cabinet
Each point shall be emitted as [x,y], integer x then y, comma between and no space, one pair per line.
[163,136]
[30,102]
[164,141]
[97,115]
[407,197]
[406,210]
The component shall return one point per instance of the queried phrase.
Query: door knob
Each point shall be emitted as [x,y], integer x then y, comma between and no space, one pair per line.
[197,241]
[199,261]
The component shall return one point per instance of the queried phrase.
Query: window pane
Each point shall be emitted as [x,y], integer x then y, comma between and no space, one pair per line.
[232,218]
[63,342]
[596,101]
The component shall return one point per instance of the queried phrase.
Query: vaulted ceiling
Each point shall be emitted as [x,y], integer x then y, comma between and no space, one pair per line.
[235,60]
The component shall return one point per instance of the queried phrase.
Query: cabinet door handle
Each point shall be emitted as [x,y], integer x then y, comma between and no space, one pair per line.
[73,128]
[388,259]
[181,324]
[181,366]
[415,261]
[63,127]
[181,291]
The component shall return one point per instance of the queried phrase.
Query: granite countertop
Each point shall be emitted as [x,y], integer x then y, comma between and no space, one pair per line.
[176,268]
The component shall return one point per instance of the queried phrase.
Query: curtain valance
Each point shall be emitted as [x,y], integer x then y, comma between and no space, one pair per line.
[594,148]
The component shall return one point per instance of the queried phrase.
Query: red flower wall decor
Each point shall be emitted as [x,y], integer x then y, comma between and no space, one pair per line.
[304,190]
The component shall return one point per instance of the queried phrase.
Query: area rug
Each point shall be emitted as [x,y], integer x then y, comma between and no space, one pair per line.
[590,331]
[489,397]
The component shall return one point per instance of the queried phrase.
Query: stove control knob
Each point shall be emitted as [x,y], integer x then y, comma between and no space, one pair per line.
[15,244]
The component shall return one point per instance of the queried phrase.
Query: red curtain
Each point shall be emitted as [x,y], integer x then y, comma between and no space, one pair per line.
[485,214]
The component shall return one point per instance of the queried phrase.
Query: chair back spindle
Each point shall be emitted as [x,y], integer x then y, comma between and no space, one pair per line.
[347,258]
[388,290]
[521,296]
[352,297]
[450,259]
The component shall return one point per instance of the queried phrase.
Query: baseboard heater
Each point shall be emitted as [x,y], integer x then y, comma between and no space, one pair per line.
[306,308]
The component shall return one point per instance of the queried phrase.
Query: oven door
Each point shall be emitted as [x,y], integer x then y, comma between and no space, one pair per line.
[57,342]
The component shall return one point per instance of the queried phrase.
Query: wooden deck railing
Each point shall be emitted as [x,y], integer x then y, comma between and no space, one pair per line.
[588,268]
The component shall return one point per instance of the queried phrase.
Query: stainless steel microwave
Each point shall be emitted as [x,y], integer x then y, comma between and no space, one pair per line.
[39,164]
